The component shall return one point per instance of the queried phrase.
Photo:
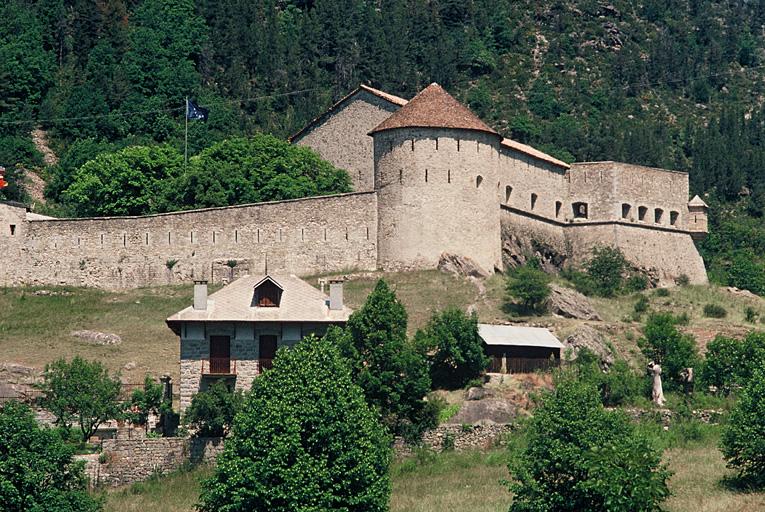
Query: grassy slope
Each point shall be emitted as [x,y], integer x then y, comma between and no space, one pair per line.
[471,481]
[36,329]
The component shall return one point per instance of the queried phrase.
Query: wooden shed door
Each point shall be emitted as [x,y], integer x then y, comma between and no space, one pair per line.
[220,354]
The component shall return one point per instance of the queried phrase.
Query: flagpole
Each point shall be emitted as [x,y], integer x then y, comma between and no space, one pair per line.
[186,138]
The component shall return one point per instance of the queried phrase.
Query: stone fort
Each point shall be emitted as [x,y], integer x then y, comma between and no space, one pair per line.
[430,179]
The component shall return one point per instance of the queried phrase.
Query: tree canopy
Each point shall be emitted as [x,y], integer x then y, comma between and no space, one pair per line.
[37,470]
[306,440]
[390,370]
[139,180]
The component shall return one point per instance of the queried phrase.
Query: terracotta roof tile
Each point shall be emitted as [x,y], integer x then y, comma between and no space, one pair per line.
[523,148]
[433,107]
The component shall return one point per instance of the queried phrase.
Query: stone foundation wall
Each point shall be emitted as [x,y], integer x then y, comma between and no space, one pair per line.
[129,461]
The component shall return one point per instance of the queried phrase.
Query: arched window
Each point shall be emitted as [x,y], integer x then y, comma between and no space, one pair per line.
[673,216]
[558,205]
[642,210]
[533,201]
[508,193]
[658,213]
[478,181]
[580,210]
[626,209]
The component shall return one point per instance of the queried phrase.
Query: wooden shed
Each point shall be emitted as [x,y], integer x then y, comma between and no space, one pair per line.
[519,349]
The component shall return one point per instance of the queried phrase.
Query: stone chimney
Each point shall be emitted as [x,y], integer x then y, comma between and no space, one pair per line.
[336,294]
[200,295]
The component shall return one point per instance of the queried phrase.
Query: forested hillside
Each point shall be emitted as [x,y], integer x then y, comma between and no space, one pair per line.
[671,83]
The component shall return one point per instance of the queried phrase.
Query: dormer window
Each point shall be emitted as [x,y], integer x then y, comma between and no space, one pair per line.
[268,294]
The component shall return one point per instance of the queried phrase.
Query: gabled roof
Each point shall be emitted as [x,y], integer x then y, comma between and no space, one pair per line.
[697,201]
[433,107]
[524,148]
[270,280]
[300,302]
[390,98]
[514,335]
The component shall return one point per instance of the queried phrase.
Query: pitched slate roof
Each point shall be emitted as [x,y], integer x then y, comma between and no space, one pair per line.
[517,336]
[300,302]
[433,107]
[391,98]
[524,148]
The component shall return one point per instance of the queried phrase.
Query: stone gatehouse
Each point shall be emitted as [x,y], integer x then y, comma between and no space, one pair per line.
[430,178]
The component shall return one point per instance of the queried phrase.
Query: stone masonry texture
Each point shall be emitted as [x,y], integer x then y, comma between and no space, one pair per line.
[423,192]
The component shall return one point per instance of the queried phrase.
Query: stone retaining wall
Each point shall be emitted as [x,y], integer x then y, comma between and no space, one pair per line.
[126,461]
[460,437]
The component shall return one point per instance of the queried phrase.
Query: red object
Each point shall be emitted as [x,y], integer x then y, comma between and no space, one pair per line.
[3,183]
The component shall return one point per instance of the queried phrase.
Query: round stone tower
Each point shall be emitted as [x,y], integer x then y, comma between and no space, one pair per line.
[436,168]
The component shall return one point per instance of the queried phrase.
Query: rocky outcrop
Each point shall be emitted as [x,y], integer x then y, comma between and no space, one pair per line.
[586,337]
[99,338]
[487,411]
[460,265]
[517,250]
[570,304]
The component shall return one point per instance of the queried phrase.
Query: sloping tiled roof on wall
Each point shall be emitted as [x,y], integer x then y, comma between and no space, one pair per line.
[391,98]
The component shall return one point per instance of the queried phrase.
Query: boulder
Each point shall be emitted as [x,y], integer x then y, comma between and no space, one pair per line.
[486,411]
[587,337]
[460,265]
[99,338]
[476,393]
[570,304]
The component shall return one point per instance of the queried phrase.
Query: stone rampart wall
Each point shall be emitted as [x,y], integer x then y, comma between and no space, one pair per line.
[312,235]
[520,176]
[128,461]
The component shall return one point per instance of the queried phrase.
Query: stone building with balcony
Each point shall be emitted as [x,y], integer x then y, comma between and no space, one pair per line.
[233,334]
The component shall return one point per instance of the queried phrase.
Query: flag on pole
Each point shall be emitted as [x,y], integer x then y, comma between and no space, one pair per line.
[194,112]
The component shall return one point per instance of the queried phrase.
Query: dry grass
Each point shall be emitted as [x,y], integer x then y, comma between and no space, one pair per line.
[697,484]
[35,329]
[177,492]
[451,482]
[469,482]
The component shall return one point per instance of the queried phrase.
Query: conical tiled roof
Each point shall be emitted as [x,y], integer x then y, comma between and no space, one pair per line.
[433,107]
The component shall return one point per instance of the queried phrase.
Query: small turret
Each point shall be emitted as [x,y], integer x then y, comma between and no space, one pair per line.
[698,218]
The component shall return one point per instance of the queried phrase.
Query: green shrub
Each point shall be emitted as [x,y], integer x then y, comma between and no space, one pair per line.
[579,279]
[578,456]
[641,305]
[667,346]
[37,469]
[606,270]
[636,283]
[529,286]
[715,311]
[212,411]
[750,315]
[146,401]
[448,412]
[730,363]
[305,440]
[619,385]
[662,292]
[454,348]
[683,280]
[743,439]
[448,442]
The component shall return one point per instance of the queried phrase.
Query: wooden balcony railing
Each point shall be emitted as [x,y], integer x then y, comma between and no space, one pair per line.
[219,366]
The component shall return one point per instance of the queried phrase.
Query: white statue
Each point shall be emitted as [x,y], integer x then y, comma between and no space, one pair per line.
[658,393]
